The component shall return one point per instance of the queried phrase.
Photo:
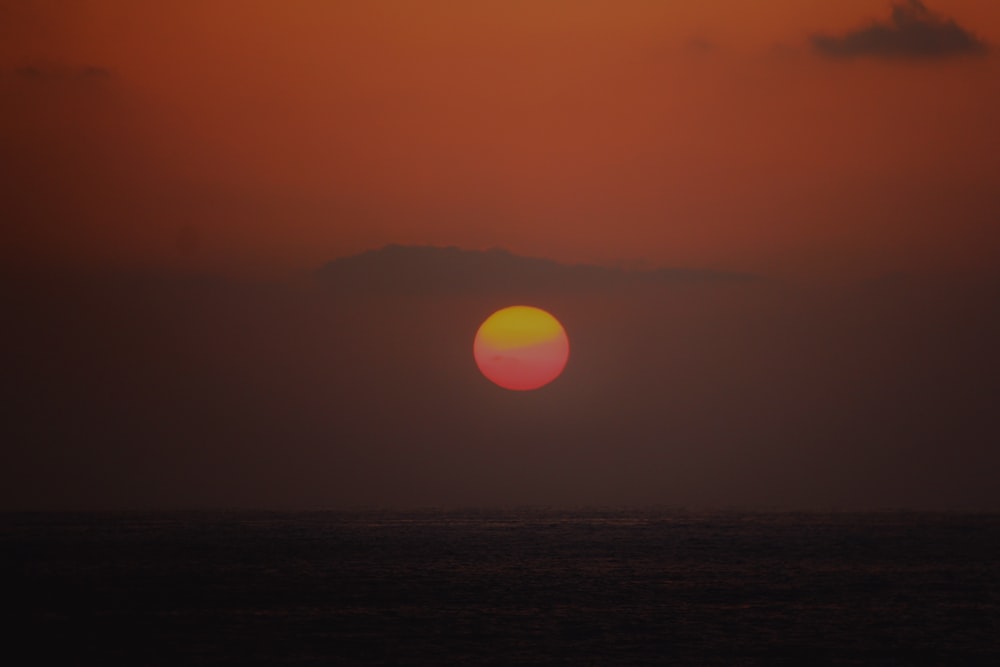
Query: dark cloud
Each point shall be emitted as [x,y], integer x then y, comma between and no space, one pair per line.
[913,31]
[428,269]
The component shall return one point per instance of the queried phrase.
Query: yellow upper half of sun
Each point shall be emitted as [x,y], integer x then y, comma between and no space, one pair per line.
[519,326]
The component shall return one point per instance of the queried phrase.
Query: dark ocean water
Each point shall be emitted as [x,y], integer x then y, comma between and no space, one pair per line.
[595,587]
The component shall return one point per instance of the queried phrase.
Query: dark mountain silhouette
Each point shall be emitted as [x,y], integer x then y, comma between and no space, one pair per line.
[419,269]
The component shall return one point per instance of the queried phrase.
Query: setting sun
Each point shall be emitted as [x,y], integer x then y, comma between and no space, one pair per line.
[521,348]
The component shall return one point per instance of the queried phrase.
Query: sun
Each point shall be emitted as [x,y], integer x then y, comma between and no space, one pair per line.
[521,348]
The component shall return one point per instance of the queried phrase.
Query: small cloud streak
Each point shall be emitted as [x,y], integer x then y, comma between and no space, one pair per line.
[60,73]
[700,45]
[913,32]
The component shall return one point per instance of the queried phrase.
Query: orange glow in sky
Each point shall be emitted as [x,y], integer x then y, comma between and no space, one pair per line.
[725,134]
[255,237]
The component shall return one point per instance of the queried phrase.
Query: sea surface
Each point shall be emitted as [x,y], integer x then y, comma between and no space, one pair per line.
[512,587]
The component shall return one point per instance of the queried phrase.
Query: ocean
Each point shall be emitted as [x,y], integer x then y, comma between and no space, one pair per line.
[502,587]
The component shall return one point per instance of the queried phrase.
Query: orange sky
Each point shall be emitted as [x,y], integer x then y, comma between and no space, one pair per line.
[848,148]
[265,135]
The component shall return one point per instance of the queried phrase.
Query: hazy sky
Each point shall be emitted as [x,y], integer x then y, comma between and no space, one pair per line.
[164,164]
[837,137]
